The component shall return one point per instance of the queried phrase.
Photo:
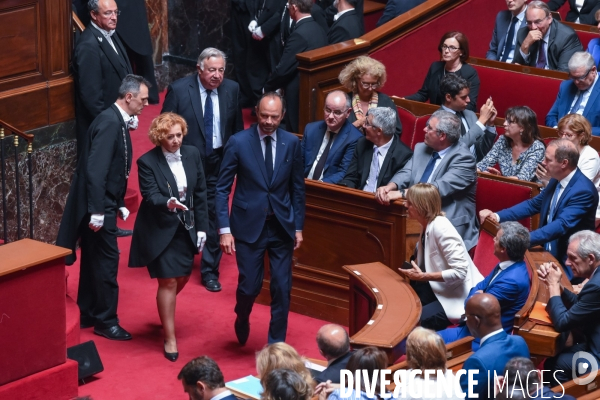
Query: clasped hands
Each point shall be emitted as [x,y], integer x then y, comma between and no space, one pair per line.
[549,273]
[324,389]
[385,194]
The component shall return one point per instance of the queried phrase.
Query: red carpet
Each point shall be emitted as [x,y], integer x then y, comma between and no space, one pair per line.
[204,322]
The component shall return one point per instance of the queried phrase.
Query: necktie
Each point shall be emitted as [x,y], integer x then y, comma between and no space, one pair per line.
[552,210]
[495,272]
[208,122]
[373,172]
[321,164]
[508,45]
[269,158]
[577,104]
[541,61]
[463,129]
[429,168]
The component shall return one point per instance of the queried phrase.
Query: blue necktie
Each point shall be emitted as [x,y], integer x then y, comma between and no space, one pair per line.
[577,104]
[494,273]
[429,168]
[373,172]
[541,61]
[508,45]
[552,210]
[208,123]
[269,158]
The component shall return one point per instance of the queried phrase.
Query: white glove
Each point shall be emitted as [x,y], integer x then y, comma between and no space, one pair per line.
[201,240]
[124,213]
[96,222]
[257,34]
[252,26]
[174,204]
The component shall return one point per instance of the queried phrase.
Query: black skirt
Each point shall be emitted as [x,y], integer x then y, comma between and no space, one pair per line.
[177,259]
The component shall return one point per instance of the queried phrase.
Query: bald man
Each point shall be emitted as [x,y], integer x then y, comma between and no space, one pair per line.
[334,345]
[483,320]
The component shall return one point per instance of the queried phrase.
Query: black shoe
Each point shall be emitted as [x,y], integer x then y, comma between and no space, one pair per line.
[171,356]
[242,330]
[113,333]
[212,285]
[124,232]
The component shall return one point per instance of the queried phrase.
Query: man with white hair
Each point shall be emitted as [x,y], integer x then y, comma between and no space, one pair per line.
[578,94]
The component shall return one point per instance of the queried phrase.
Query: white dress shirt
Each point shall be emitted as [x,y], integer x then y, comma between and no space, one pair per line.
[442,154]
[586,97]
[217,140]
[589,165]
[503,265]
[174,161]
[489,335]
[383,150]
[321,150]
[107,35]
[519,25]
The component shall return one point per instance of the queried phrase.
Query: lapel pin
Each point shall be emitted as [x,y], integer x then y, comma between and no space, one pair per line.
[99,39]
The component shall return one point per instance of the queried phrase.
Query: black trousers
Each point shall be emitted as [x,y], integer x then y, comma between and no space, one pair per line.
[250,257]
[98,293]
[433,315]
[211,255]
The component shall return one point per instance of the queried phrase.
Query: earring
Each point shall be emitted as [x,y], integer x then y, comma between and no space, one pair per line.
[521,133]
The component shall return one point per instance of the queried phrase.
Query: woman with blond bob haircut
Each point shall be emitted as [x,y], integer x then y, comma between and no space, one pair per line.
[441,252]
[363,77]
[280,355]
[172,221]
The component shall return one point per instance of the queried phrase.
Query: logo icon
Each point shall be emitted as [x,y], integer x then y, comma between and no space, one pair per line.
[580,364]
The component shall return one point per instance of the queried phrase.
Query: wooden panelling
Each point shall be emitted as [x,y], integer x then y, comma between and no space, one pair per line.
[60,100]
[58,38]
[25,108]
[20,41]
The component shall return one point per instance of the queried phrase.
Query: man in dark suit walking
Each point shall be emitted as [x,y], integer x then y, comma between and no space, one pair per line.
[307,35]
[577,313]
[508,22]
[95,198]
[328,146]
[211,119]
[267,213]
[100,64]
[379,154]
[346,24]
[545,43]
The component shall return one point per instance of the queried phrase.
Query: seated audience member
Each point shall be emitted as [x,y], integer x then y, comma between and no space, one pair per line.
[578,130]
[519,150]
[478,134]
[366,360]
[579,94]
[447,164]
[425,350]
[504,37]
[575,313]
[567,205]
[508,282]
[594,44]
[202,379]
[581,12]
[519,371]
[280,355]
[394,8]
[496,348]
[328,146]
[363,77]
[346,24]
[454,52]
[306,35]
[379,154]
[545,43]
[285,384]
[334,345]
[443,272]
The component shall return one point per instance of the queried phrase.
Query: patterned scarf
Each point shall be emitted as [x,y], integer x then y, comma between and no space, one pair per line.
[356,104]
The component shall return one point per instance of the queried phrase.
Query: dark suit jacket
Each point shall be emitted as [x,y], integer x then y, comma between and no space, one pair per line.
[562,106]
[586,15]
[579,312]
[98,73]
[575,211]
[562,43]
[498,41]
[155,224]
[340,153]
[133,26]
[100,173]
[332,372]
[358,171]
[331,10]
[492,356]
[183,98]
[383,101]
[346,27]
[431,85]
[394,8]
[243,157]
[307,35]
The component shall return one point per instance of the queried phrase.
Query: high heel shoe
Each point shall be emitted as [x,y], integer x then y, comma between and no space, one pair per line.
[170,356]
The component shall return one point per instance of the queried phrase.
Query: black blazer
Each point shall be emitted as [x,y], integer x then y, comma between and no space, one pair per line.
[562,44]
[586,15]
[100,173]
[431,85]
[383,100]
[346,27]
[358,171]
[183,98]
[394,8]
[332,372]
[98,73]
[155,225]
[331,10]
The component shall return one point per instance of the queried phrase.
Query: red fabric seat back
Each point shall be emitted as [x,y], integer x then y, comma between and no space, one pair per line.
[409,121]
[496,195]
[484,258]
[585,37]
[419,135]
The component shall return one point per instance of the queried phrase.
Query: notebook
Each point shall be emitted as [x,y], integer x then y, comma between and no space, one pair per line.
[248,386]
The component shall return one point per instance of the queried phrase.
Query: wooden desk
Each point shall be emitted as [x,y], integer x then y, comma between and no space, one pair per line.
[385,308]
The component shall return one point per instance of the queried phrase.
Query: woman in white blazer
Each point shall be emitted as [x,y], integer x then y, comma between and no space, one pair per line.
[443,272]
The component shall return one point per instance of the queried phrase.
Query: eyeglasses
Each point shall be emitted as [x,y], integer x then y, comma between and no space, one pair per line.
[367,85]
[367,124]
[569,135]
[510,121]
[536,22]
[580,78]
[336,113]
[108,14]
[451,49]
[430,129]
